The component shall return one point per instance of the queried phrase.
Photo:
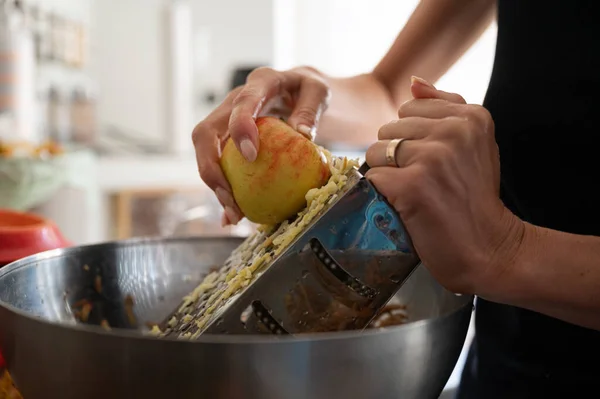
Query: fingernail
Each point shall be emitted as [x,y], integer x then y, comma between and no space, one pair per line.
[224,197]
[306,130]
[231,215]
[248,150]
[416,79]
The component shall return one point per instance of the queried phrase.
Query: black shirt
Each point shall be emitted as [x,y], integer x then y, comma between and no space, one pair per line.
[544,96]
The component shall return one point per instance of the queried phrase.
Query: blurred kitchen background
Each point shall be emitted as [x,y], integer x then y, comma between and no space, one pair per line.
[117,87]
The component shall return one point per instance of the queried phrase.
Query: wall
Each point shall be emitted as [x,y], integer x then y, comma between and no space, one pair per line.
[241,33]
[129,67]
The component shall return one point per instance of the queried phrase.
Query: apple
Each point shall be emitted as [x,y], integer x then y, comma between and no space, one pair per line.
[273,187]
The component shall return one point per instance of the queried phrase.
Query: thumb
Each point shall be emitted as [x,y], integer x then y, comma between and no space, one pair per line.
[420,88]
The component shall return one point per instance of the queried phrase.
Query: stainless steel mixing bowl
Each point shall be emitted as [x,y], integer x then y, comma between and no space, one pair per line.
[51,355]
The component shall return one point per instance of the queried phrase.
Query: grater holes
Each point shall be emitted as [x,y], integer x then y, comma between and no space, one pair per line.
[339,272]
[263,315]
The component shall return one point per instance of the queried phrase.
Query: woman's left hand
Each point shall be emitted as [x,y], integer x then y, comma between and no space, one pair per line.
[444,181]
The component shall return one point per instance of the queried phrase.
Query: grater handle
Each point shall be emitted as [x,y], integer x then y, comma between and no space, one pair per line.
[364,168]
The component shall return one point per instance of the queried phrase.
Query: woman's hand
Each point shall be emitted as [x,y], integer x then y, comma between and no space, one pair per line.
[302,92]
[444,182]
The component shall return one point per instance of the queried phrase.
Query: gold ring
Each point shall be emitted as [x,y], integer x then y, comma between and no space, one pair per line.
[390,152]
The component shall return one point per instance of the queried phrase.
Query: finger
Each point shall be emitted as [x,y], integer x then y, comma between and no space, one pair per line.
[227,201]
[420,88]
[385,180]
[212,175]
[404,188]
[313,100]
[207,137]
[404,153]
[412,127]
[262,85]
[432,108]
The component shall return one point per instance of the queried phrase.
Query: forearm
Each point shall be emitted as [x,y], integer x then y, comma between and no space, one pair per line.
[437,34]
[557,274]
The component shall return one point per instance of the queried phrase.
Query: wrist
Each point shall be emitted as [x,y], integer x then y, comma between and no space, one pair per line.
[511,250]
[521,277]
[359,106]
[381,85]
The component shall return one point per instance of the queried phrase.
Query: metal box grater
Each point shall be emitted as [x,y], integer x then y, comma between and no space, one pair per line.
[337,274]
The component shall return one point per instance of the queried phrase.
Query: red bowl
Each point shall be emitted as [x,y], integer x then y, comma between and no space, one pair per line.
[24,234]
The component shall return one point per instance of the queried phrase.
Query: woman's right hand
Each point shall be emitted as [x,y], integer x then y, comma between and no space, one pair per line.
[301,92]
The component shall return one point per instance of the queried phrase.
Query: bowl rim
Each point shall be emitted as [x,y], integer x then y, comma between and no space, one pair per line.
[35,222]
[467,301]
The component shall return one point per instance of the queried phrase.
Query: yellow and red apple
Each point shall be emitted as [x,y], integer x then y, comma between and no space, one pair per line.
[273,187]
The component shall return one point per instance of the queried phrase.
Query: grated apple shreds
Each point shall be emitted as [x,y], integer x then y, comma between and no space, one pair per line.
[255,254]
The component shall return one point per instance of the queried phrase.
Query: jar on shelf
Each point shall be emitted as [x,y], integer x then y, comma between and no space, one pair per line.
[83,116]
[58,119]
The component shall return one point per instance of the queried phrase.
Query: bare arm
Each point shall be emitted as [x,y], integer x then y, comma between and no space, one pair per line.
[437,34]
[554,273]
